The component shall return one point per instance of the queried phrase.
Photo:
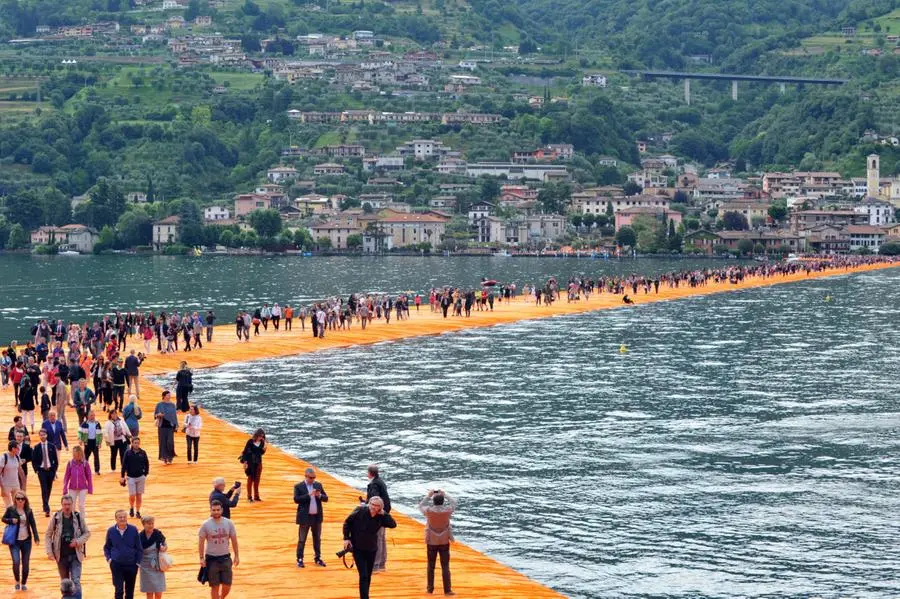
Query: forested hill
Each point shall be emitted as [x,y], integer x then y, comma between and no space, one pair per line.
[666,33]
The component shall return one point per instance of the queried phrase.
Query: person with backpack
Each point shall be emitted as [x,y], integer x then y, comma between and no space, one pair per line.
[64,542]
[115,434]
[10,473]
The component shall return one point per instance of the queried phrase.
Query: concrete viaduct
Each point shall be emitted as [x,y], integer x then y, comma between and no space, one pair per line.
[734,78]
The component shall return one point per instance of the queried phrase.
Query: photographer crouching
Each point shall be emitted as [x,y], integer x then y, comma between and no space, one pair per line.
[361,536]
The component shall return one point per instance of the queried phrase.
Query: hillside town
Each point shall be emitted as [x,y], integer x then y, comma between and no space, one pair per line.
[713,214]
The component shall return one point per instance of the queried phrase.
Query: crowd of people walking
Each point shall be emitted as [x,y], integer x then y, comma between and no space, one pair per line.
[71,373]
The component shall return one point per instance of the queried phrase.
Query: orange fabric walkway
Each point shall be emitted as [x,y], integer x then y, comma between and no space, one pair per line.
[177,494]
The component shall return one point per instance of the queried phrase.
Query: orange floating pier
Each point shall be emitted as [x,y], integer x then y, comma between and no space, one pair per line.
[177,495]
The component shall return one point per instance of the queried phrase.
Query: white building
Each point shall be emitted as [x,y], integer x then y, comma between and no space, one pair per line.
[423,148]
[865,237]
[878,212]
[470,65]
[281,173]
[214,213]
[536,172]
[594,80]
[166,232]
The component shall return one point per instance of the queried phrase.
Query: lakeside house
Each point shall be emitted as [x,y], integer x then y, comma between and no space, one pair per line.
[166,232]
[79,238]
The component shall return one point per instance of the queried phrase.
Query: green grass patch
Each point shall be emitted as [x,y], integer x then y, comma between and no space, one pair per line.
[238,81]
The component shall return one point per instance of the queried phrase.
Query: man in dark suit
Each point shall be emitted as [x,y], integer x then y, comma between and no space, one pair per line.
[309,497]
[45,461]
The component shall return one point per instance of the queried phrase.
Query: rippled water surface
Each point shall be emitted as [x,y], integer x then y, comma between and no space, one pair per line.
[746,445]
[81,288]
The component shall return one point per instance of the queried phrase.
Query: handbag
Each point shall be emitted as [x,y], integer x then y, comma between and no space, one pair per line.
[203,575]
[165,561]
[10,534]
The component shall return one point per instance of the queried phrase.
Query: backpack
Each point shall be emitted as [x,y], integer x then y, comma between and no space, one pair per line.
[77,516]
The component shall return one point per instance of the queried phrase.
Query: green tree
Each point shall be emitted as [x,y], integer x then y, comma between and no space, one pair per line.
[354,241]
[778,212]
[735,221]
[759,248]
[303,239]
[135,228]
[18,238]
[745,247]
[227,238]
[626,237]
[107,239]
[490,189]
[22,209]
[631,188]
[323,243]
[267,223]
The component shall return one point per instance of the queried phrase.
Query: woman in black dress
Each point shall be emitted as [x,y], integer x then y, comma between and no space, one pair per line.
[184,384]
[251,458]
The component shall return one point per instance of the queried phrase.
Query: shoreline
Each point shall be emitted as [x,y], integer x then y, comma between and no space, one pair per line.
[177,494]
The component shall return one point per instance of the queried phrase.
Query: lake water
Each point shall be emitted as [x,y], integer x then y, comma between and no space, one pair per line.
[746,446]
[81,288]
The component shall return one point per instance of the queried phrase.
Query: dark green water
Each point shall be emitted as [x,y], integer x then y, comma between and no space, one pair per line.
[82,288]
[746,446]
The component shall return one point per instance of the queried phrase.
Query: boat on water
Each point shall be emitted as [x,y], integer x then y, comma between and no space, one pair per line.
[501,254]
[69,253]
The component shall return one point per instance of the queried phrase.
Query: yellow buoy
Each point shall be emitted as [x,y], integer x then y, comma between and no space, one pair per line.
[623,349]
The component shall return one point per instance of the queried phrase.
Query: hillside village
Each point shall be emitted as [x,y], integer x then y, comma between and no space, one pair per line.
[347,189]
[709,213]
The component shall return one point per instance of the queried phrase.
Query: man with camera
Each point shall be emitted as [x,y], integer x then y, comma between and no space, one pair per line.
[309,497]
[437,507]
[361,536]
[377,488]
[229,499]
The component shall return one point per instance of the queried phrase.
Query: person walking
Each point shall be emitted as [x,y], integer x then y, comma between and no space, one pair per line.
[82,398]
[135,468]
[166,422]
[20,515]
[184,385]
[91,434]
[56,433]
[64,541]
[309,496]
[215,535]
[116,435]
[119,378]
[78,479]
[361,536]
[210,323]
[123,552]
[131,414]
[192,425]
[10,473]
[45,461]
[133,373]
[437,507]
[252,458]
[153,541]
[377,488]
[24,444]
[228,500]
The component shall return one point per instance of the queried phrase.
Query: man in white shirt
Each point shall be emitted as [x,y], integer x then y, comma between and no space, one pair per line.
[309,497]
[9,473]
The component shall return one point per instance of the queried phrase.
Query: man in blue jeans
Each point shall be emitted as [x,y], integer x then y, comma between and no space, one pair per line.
[123,552]
[64,541]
